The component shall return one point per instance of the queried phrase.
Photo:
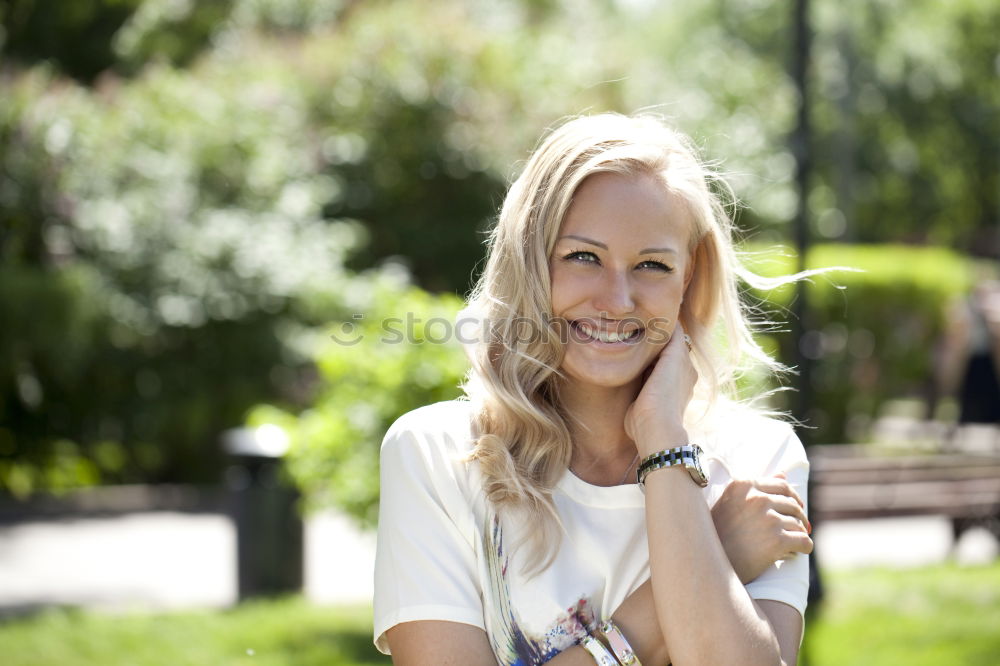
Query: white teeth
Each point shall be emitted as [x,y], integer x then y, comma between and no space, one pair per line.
[606,336]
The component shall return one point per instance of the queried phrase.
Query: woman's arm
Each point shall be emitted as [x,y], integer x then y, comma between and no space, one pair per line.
[786,622]
[705,613]
[758,522]
[437,643]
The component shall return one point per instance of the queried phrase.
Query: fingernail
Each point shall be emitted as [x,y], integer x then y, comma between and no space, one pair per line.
[809,527]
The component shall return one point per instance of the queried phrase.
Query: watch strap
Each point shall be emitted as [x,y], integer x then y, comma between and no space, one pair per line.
[688,456]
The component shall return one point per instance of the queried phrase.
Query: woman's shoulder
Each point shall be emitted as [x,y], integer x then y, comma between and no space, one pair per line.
[734,420]
[750,438]
[428,451]
[442,428]
[747,423]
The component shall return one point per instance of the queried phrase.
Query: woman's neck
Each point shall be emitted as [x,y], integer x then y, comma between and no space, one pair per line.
[596,422]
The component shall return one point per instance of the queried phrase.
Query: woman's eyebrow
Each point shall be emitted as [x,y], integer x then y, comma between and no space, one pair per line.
[585,240]
[648,250]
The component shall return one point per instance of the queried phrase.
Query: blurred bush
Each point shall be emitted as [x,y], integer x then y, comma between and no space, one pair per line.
[876,330]
[75,36]
[398,356]
[157,240]
[903,108]
[905,115]
[87,38]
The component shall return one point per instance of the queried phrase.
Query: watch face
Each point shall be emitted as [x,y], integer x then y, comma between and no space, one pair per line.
[703,478]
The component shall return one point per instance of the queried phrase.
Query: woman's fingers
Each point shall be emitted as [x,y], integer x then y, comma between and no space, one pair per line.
[778,486]
[792,538]
[790,524]
[797,542]
[789,507]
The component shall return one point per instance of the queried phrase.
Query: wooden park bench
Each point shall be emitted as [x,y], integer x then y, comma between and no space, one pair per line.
[854,481]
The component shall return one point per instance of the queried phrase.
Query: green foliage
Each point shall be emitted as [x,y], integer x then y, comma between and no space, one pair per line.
[85,38]
[38,311]
[903,104]
[173,31]
[901,94]
[874,327]
[77,35]
[397,356]
[158,240]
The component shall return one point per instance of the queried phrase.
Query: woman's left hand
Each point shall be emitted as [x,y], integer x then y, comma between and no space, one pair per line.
[760,522]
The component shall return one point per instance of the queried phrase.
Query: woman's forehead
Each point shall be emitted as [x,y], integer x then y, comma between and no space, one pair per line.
[635,210]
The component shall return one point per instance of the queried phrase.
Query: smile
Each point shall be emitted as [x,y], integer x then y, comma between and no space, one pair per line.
[589,332]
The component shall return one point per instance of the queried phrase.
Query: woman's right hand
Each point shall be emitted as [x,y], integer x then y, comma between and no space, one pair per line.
[760,522]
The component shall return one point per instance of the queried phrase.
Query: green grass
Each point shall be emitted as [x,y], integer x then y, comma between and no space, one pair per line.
[914,617]
[263,633]
[941,615]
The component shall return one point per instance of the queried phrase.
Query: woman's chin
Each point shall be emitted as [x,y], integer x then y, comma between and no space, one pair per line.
[603,381]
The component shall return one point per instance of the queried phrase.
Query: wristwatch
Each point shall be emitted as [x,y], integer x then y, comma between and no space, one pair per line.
[688,456]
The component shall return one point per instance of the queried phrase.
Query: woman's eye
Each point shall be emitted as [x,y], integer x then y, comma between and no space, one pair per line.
[656,266]
[583,257]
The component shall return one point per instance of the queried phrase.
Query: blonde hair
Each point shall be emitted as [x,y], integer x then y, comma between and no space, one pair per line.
[523,444]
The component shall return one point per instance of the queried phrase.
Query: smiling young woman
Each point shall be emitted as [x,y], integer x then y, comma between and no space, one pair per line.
[599,498]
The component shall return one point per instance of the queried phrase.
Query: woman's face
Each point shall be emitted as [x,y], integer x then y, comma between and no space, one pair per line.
[618,273]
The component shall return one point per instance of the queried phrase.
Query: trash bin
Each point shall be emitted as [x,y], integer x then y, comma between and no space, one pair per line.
[269,530]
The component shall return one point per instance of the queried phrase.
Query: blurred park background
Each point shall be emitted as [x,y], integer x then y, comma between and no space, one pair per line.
[197,198]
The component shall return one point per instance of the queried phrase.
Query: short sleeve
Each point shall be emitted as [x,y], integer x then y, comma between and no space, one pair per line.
[786,581]
[425,563]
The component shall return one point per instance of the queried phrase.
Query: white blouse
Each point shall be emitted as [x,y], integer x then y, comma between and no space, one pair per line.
[444,553]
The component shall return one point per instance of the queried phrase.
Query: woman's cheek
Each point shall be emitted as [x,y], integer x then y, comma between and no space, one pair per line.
[659,330]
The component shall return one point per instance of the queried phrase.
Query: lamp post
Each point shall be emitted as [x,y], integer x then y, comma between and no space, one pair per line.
[800,146]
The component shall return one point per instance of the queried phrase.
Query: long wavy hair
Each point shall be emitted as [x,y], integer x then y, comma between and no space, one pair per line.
[523,443]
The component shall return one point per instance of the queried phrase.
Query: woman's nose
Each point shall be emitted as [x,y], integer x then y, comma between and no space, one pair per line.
[615,296]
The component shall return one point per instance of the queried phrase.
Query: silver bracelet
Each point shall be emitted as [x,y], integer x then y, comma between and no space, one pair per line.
[598,651]
[616,639]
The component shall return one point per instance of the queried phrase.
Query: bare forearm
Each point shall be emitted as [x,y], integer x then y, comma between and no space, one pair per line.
[574,656]
[705,613]
[636,619]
